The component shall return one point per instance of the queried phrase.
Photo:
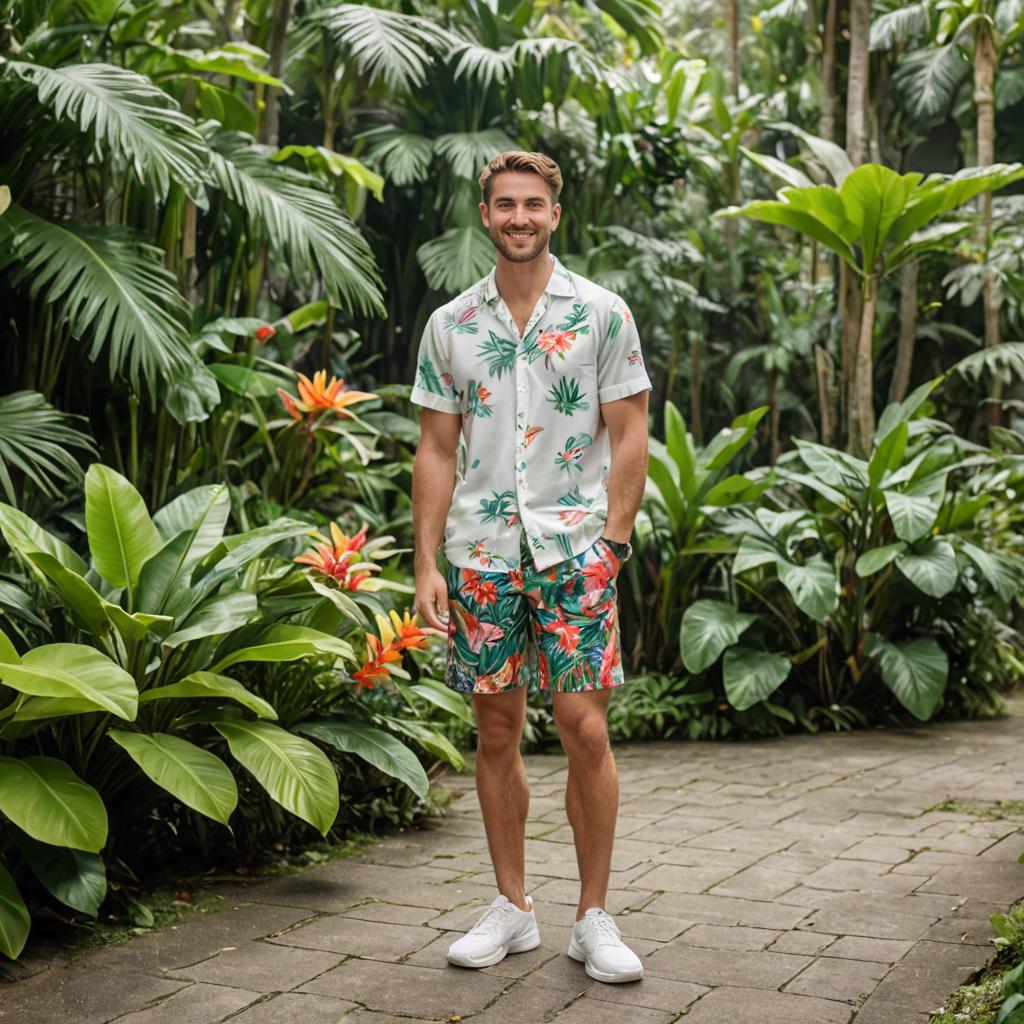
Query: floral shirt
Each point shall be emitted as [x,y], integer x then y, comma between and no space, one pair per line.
[537,451]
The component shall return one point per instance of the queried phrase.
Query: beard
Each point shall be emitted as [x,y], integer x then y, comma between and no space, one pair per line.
[519,254]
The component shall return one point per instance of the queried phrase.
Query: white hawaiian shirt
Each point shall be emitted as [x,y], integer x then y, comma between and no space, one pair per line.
[536,450]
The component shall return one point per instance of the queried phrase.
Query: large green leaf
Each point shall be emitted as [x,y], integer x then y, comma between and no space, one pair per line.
[1001,574]
[208,684]
[888,453]
[443,697]
[14,919]
[24,535]
[106,284]
[813,586]
[287,643]
[729,441]
[376,746]
[456,259]
[46,799]
[121,535]
[913,511]
[202,512]
[37,440]
[77,672]
[404,158]
[752,553]
[680,449]
[878,195]
[930,566]
[220,614]
[878,558]
[751,675]
[128,116]
[88,607]
[433,741]
[199,779]
[303,224]
[467,152]
[297,774]
[77,878]
[916,671]
[707,629]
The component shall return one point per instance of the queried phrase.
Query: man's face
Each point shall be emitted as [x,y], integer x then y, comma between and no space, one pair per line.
[520,218]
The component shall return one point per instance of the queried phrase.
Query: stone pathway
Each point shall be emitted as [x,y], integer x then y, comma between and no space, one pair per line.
[802,881]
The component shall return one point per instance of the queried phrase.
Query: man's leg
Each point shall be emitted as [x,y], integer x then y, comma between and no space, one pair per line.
[502,787]
[592,789]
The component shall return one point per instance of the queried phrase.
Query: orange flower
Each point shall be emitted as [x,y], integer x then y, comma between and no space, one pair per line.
[482,591]
[317,395]
[409,635]
[558,342]
[265,333]
[396,635]
[333,559]
[482,393]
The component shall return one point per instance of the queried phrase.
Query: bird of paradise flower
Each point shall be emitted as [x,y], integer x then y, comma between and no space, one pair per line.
[571,458]
[477,400]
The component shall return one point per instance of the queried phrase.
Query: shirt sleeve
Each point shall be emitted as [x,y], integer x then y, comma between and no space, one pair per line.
[434,386]
[620,363]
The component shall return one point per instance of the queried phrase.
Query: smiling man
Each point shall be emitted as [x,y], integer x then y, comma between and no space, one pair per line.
[539,372]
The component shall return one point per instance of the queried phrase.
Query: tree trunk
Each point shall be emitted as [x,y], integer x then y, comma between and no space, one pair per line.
[827,124]
[857,82]
[695,405]
[278,33]
[984,75]
[774,415]
[850,302]
[908,333]
[862,407]
[826,413]
[732,14]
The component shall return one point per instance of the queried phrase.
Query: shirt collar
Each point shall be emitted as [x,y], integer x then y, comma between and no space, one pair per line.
[559,283]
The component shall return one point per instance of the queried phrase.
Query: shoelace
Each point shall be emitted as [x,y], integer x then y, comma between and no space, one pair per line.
[492,919]
[606,928]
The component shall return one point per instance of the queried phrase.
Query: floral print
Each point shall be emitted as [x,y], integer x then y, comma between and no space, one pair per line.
[555,629]
[536,446]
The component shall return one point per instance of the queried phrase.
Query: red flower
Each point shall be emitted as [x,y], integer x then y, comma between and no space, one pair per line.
[556,341]
[482,591]
[333,560]
[265,333]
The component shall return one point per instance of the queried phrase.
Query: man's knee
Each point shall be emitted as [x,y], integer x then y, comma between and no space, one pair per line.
[499,728]
[585,736]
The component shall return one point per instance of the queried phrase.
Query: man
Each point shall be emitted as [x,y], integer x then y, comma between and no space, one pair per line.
[539,372]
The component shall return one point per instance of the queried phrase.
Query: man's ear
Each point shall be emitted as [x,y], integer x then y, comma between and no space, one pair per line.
[483,215]
[556,215]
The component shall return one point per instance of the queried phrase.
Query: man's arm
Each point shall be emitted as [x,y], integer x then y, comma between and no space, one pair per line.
[626,420]
[433,481]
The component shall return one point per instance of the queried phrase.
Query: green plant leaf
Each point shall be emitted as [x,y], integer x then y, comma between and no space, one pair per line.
[813,586]
[24,535]
[75,671]
[456,259]
[193,775]
[750,675]
[287,643]
[916,671]
[752,553]
[931,567]
[441,696]
[729,441]
[208,684]
[14,919]
[121,535]
[297,774]
[215,617]
[878,558]
[202,512]
[1000,572]
[913,512]
[77,878]
[375,746]
[707,629]
[889,453]
[46,799]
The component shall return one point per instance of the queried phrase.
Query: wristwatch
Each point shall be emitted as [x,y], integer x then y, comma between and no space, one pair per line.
[622,549]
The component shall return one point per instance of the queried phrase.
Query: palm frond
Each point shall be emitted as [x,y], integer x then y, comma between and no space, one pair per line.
[456,260]
[929,78]
[302,223]
[901,25]
[391,47]
[663,250]
[484,65]
[402,157]
[468,152]
[785,10]
[128,116]
[105,284]
[34,440]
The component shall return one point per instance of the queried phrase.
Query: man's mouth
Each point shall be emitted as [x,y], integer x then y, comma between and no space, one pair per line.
[520,235]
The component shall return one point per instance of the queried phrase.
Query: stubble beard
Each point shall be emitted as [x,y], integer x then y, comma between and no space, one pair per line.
[519,255]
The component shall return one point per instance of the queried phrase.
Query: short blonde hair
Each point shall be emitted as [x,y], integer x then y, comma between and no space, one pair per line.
[521,160]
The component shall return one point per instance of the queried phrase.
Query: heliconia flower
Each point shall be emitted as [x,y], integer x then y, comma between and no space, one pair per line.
[333,558]
[409,635]
[558,342]
[317,395]
[265,333]
[397,634]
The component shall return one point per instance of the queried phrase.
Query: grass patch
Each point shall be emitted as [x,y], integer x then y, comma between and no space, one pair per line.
[993,809]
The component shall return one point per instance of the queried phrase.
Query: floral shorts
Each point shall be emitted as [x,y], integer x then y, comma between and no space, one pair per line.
[563,637]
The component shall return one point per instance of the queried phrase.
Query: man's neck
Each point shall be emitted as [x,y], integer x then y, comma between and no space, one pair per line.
[520,283]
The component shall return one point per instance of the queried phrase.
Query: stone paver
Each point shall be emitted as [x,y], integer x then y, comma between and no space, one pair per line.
[798,881]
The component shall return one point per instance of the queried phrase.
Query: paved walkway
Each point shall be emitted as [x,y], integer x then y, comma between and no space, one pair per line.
[800,881]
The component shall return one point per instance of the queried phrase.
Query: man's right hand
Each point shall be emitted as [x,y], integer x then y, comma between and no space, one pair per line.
[431,600]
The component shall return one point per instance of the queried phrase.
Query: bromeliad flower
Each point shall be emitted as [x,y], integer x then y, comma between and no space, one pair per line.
[397,634]
[317,395]
[335,557]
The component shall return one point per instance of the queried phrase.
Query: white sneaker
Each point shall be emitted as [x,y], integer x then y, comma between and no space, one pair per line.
[597,942]
[502,929]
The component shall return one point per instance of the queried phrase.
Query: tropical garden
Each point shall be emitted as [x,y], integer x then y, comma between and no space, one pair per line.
[222,229]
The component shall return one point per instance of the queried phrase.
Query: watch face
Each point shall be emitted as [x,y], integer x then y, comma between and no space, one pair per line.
[622,550]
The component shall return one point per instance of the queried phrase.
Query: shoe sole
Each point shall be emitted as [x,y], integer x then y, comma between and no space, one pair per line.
[612,979]
[522,945]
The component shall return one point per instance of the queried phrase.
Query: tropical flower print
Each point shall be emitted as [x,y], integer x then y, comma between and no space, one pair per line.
[573,516]
[571,456]
[567,397]
[478,549]
[566,641]
[635,358]
[462,320]
[531,434]
[478,396]
[499,506]
[556,342]
[499,354]
[480,590]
